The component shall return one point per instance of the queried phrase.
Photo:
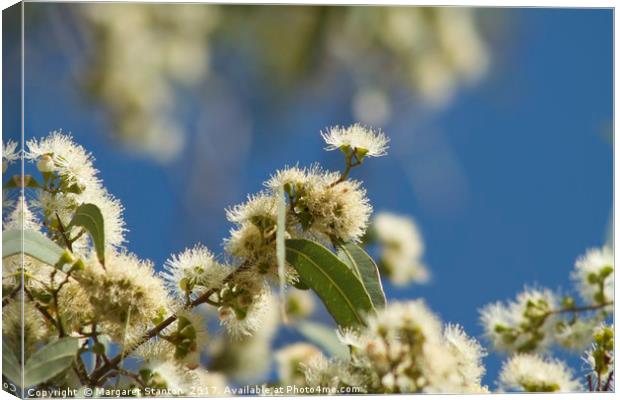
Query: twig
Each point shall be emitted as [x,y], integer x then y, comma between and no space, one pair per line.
[10,296]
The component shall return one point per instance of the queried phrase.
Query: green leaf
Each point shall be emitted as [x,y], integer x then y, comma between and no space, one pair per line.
[34,244]
[16,182]
[10,364]
[89,217]
[325,337]
[50,361]
[340,290]
[366,269]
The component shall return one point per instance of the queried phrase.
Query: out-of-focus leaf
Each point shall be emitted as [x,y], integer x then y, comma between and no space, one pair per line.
[10,364]
[339,288]
[50,361]
[34,244]
[325,337]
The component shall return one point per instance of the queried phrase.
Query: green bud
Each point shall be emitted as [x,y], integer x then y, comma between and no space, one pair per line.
[184,284]
[360,153]
[592,278]
[78,265]
[606,271]
[568,302]
[75,188]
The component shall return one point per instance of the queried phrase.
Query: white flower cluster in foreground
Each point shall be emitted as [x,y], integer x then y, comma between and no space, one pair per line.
[77,183]
[539,319]
[523,324]
[403,350]
[119,300]
[402,248]
[533,373]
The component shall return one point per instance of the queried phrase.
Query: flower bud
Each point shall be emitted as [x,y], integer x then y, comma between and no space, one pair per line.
[45,163]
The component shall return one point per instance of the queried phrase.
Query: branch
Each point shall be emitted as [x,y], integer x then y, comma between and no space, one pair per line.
[582,308]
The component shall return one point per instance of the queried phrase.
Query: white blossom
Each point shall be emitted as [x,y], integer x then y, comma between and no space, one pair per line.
[512,327]
[70,160]
[79,183]
[126,290]
[193,268]
[290,359]
[533,373]
[168,375]
[358,138]
[9,153]
[402,248]
[587,275]
[468,354]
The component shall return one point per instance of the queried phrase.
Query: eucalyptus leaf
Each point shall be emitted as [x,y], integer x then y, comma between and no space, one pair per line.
[338,287]
[10,364]
[34,244]
[325,337]
[366,269]
[89,217]
[50,361]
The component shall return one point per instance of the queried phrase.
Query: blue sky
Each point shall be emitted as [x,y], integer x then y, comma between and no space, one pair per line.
[509,184]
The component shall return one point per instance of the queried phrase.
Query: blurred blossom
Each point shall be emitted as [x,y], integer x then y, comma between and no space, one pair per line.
[142,52]
[436,50]
[371,106]
[402,248]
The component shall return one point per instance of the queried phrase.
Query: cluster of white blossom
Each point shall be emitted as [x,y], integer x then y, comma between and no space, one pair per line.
[533,373]
[523,325]
[142,51]
[118,300]
[403,349]
[593,275]
[539,319]
[439,49]
[68,170]
[600,359]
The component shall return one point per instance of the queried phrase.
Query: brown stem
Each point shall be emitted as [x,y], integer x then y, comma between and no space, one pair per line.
[10,296]
[64,234]
[610,379]
[582,308]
